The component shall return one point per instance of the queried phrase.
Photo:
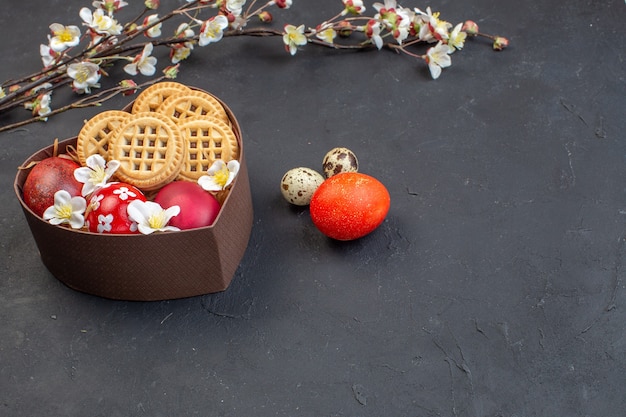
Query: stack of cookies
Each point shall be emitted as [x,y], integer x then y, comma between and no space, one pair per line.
[171,133]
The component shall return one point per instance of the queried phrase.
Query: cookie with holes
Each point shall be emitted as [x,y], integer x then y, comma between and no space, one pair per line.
[206,140]
[93,137]
[150,99]
[194,103]
[150,149]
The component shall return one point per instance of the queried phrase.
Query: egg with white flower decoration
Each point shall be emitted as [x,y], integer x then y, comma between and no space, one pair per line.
[107,209]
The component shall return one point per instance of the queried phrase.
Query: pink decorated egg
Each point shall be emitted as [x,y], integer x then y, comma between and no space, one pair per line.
[107,209]
[198,208]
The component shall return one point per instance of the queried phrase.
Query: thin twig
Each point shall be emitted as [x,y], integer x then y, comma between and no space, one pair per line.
[93,100]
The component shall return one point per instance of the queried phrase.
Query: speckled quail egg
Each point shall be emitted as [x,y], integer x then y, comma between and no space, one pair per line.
[339,160]
[299,184]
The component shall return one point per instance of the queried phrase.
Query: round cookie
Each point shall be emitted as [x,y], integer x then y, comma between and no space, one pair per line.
[194,103]
[93,137]
[152,97]
[149,147]
[206,139]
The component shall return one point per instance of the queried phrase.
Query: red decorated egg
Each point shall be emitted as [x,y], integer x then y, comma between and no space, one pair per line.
[198,208]
[107,209]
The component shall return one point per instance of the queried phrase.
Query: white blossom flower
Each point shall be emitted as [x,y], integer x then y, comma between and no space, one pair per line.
[95,174]
[66,209]
[401,32]
[143,63]
[403,24]
[179,54]
[100,22]
[110,6]
[432,29]
[63,37]
[40,106]
[327,35]
[355,7]
[294,37]
[212,30]
[437,58]
[235,6]
[456,40]
[372,31]
[219,176]
[44,104]
[154,31]
[48,55]
[85,75]
[151,217]
[184,31]
[181,51]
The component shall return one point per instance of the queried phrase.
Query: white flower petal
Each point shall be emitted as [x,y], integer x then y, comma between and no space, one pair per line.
[445,61]
[231,177]
[147,50]
[208,183]
[147,69]
[50,213]
[88,188]
[217,166]
[79,204]
[144,229]
[82,174]
[130,69]
[56,45]
[138,212]
[112,166]
[76,221]
[95,161]
[169,229]
[86,15]
[62,198]
[233,166]
[56,27]
[55,220]
[171,212]
[435,70]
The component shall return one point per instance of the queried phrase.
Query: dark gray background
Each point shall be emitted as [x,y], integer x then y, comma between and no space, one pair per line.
[494,288]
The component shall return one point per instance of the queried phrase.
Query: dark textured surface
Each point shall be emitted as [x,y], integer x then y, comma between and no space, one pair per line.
[494,288]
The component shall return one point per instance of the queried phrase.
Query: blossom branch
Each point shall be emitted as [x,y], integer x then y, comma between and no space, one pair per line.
[391,26]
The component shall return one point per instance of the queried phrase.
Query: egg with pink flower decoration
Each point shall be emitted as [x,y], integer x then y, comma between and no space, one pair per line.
[107,210]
